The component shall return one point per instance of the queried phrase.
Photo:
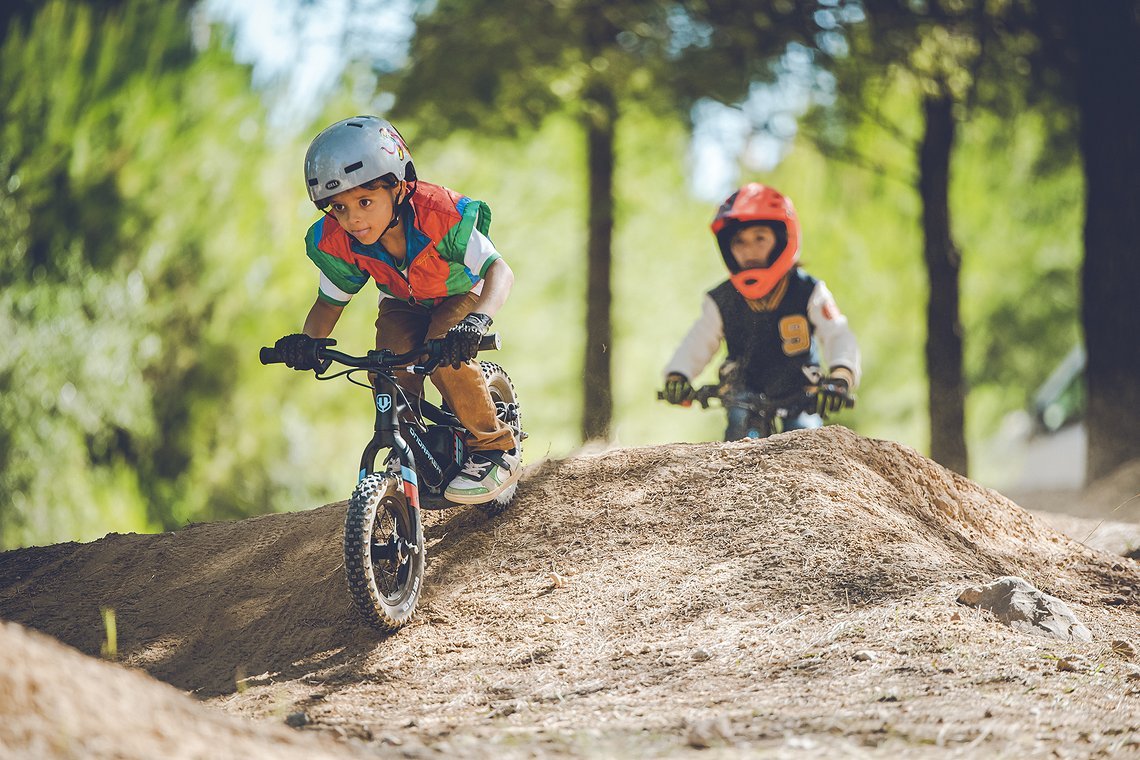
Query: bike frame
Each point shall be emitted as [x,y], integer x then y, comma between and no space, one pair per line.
[398,427]
[765,415]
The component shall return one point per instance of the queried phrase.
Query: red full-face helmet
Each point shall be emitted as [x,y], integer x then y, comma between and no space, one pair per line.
[758,204]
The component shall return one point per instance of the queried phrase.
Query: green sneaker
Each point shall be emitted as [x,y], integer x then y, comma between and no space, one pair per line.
[485,475]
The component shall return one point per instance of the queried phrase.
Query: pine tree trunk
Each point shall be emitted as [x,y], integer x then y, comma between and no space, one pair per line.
[1108,87]
[943,330]
[600,120]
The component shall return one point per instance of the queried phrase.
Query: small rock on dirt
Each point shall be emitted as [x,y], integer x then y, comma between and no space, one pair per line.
[297,719]
[1018,604]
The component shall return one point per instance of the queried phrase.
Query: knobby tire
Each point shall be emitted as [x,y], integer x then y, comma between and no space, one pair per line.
[502,392]
[383,552]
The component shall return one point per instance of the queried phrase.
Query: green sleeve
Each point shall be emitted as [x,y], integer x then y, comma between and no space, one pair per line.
[475,215]
[345,275]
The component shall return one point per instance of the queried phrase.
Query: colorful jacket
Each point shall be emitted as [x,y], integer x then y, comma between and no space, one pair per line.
[447,253]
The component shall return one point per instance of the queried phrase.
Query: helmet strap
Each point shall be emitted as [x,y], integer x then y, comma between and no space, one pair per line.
[399,205]
[395,220]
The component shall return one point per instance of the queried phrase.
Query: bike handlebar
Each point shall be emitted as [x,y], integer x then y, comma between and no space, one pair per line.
[384,358]
[701,395]
[706,393]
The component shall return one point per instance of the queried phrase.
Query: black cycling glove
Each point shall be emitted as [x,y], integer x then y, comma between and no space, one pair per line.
[461,343]
[832,395]
[678,389]
[299,351]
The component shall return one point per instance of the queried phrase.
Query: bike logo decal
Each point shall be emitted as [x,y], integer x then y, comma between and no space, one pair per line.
[383,402]
[332,184]
[428,457]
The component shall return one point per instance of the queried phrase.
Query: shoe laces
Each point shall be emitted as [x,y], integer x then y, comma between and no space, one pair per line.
[476,466]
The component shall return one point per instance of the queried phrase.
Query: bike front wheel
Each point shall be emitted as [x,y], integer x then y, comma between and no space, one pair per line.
[383,552]
[743,423]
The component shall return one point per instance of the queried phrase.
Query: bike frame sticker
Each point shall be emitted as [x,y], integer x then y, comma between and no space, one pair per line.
[383,402]
[459,449]
[411,485]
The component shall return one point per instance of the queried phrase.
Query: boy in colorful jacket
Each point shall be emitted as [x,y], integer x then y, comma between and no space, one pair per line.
[439,276]
[774,317]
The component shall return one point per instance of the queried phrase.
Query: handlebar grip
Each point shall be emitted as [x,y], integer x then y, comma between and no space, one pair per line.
[269,355]
[490,342]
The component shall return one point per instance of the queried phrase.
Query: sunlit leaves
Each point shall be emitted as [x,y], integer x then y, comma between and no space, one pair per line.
[122,154]
[944,61]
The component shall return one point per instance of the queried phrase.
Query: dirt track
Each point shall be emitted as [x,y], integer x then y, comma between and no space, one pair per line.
[791,597]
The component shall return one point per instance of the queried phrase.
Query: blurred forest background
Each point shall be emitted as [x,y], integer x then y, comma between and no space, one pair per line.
[152,215]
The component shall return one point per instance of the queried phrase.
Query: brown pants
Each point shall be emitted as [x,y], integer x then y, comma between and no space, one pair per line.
[401,326]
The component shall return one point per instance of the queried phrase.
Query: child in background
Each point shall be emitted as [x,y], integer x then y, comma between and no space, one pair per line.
[775,318]
[438,273]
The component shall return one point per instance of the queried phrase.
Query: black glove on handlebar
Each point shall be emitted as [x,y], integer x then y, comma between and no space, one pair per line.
[833,393]
[461,343]
[299,351]
[678,389]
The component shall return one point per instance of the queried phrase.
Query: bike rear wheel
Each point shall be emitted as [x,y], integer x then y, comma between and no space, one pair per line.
[507,409]
[383,552]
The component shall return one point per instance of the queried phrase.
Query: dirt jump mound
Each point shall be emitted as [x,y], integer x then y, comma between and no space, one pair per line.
[794,592]
[54,702]
[200,608]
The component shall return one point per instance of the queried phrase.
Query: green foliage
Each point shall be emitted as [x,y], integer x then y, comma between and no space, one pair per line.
[471,67]
[69,302]
[1023,288]
[118,239]
[1018,230]
[1021,266]
[110,647]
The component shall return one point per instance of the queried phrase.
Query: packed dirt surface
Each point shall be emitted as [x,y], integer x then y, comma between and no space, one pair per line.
[793,597]
[55,702]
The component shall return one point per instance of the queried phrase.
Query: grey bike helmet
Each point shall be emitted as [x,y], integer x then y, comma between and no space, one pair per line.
[354,152]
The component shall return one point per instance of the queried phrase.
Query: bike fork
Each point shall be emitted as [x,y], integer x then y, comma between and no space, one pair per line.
[389,403]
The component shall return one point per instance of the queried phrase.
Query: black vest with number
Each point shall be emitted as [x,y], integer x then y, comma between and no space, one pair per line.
[771,347]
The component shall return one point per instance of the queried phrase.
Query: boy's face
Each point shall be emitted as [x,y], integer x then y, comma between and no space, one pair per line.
[364,213]
[752,246]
